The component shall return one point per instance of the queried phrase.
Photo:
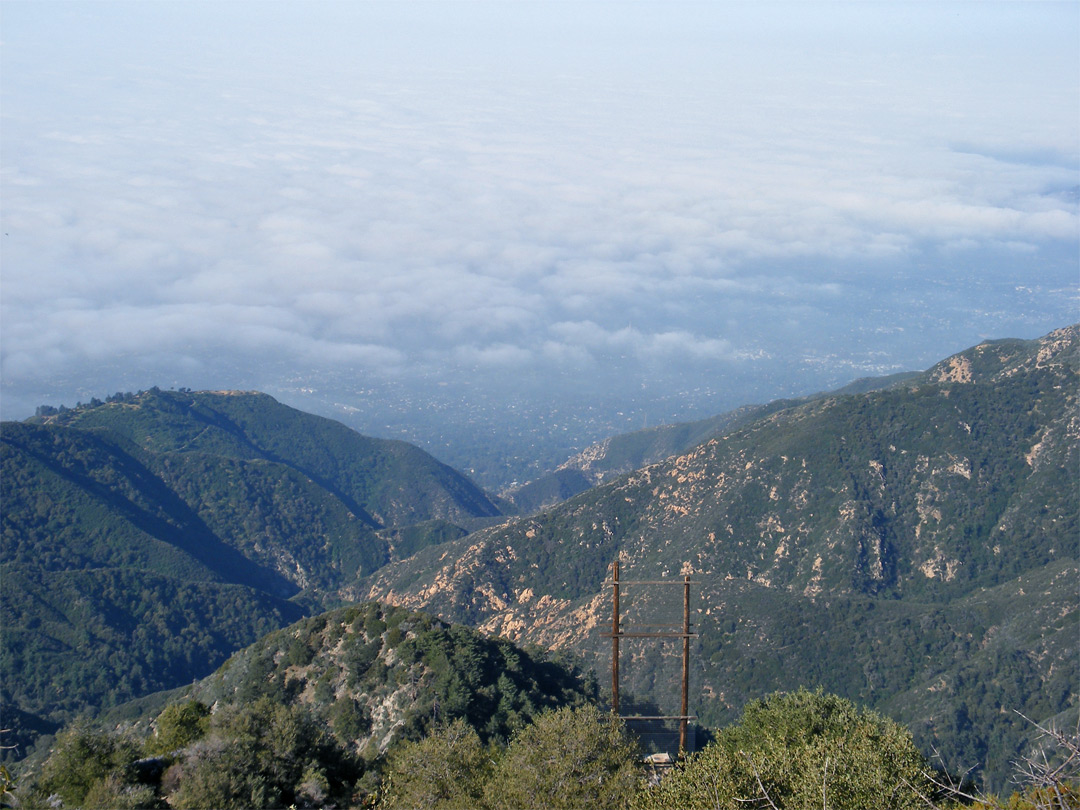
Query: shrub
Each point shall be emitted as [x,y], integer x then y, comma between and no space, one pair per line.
[178,726]
[444,770]
[81,762]
[568,758]
[801,750]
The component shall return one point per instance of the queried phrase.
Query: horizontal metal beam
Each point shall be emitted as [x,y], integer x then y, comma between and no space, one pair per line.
[622,582]
[669,624]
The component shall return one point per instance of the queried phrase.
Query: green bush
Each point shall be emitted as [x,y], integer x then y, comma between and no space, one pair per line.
[82,762]
[445,770]
[178,726]
[263,754]
[569,758]
[800,750]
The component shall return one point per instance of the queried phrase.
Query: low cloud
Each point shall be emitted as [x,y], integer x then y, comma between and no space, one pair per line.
[498,355]
[590,337]
[540,212]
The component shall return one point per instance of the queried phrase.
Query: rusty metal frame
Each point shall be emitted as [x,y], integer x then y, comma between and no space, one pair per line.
[618,633]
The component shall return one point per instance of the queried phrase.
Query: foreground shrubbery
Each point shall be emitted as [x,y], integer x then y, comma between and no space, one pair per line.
[568,758]
[801,750]
[275,755]
[806,750]
[789,752]
[261,755]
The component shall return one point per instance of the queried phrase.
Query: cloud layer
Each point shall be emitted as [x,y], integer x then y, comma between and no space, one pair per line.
[404,189]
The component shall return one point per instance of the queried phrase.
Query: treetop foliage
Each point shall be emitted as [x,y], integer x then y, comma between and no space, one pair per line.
[801,750]
[804,750]
[574,757]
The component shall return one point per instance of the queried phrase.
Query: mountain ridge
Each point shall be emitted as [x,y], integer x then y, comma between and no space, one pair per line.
[118,513]
[625,452]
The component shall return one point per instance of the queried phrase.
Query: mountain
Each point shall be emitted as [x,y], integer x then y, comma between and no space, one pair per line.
[909,544]
[148,537]
[385,482]
[913,548]
[626,452]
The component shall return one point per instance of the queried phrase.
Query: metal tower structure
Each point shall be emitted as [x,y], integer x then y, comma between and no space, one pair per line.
[618,633]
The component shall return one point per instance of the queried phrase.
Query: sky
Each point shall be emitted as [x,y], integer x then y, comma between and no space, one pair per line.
[582,200]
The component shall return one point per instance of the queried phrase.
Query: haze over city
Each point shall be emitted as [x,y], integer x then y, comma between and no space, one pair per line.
[527,218]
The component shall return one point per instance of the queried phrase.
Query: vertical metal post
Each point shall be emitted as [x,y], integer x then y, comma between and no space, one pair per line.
[685,665]
[615,638]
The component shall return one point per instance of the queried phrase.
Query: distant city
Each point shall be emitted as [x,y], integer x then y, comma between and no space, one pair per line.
[505,426]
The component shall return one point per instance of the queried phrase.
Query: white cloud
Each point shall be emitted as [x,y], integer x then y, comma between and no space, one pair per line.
[498,355]
[423,193]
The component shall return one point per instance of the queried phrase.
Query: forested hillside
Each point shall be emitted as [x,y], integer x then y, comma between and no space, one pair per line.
[914,548]
[377,707]
[148,537]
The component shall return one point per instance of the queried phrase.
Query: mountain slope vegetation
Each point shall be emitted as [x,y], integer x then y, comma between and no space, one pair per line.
[878,544]
[376,673]
[148,537]
[305,716]
[909,544]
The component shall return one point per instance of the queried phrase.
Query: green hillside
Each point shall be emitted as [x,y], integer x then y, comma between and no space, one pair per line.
[873,543]
[385,482]
[381,707]
[75,640]
[148,537]
[377,674]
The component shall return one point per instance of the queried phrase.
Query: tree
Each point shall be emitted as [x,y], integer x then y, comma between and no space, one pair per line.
[263,754]
[568,758]
[801,750]
[88,768]
[444,770]
[179,725]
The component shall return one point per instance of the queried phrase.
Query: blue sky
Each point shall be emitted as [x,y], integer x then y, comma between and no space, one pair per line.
[766,198]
